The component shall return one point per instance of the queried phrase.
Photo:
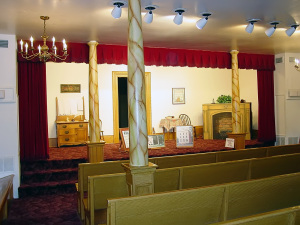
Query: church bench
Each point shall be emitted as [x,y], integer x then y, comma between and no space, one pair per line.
[6,193]
[100,188]
[286,216]
[192,176]
[207,205]
[89,169]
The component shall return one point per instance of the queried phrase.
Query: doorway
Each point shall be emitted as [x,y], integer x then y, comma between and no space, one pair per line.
[116,80]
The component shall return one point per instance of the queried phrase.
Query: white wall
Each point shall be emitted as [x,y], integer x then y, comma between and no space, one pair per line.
[202,85]
[287,108]
[9,129]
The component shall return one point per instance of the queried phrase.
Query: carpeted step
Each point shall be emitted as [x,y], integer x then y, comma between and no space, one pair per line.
[31,177]
[50,164]
[46,188]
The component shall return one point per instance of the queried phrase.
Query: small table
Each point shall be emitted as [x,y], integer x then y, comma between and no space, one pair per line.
[170,123]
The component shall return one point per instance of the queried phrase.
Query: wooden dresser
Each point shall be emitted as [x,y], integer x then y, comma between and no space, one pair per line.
[71,132]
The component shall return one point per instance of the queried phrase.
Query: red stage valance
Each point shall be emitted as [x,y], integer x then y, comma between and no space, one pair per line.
[115,54]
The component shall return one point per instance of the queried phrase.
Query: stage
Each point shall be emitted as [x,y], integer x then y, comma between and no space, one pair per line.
[113,152]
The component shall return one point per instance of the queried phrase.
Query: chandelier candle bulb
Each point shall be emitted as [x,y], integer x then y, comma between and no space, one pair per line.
[21,43]
[31,41]
[26,48]
[53,39]
[39,49]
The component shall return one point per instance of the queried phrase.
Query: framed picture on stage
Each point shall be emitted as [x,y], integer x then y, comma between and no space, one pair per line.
[124,134]
[178,96]
[184,137]
[156,141]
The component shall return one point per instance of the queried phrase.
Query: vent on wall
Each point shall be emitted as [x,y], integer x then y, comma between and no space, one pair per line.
[280,140]
[293,140]
[3,43]
[279,60]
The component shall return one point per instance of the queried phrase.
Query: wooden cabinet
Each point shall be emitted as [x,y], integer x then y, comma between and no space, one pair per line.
[71,133]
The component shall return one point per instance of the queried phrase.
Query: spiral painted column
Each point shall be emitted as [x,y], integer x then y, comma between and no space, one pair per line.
[140,173]
[94,127]
[236,111]
[138,136]
[95,146]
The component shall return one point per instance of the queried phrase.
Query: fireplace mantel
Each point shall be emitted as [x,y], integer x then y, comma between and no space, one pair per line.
[209,110]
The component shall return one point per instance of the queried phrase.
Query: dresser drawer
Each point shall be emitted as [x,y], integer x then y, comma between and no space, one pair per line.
[72,125]
[66,132]
[67,139]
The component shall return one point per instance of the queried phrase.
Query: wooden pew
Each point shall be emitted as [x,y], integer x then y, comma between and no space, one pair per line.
[286,216]
[110,167]
[6,193]
[100,188]
[192,176]
[207,205]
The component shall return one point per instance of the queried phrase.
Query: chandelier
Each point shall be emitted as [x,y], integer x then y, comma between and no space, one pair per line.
[43,51]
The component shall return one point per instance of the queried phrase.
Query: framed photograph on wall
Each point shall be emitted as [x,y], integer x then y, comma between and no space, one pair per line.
[124,133]
[156,141]
[178,96]
[184,137]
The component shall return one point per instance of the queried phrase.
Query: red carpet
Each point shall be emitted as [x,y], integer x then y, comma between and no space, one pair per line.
[112,151]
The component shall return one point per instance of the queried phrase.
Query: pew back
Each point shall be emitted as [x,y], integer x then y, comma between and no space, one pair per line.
[287,216]
[207,204]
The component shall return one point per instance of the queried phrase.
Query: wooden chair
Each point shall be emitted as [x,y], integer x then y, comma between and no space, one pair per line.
[186,121]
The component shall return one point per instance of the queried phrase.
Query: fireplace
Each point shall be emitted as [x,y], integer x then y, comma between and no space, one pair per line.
[217,120]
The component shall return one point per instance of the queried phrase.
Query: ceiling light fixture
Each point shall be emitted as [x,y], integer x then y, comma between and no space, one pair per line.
[202,22]
[291,30]
[250,26]
[179,17]
[44,54]
[271,30]
[148,18]
[117,11]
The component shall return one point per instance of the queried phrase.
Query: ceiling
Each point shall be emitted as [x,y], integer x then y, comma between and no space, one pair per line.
[86,20]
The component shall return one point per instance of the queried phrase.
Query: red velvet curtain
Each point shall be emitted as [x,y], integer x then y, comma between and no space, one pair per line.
[266,111]
[33,122]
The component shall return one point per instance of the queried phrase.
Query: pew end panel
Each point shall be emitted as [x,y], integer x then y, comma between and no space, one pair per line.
[100,188]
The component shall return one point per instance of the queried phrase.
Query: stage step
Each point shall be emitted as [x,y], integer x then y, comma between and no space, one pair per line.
[45,177]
